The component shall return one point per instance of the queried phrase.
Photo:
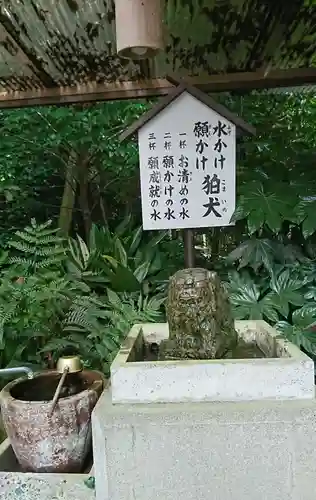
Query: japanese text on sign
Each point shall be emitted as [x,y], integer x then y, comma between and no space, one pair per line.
[187,166]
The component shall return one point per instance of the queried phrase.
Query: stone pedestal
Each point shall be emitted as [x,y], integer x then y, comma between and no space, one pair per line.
[217,450]
[223,429]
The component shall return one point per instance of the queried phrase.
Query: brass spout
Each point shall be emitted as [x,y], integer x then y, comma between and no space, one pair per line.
[16,370]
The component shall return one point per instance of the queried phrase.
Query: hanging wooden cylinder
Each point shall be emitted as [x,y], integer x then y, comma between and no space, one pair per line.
[139,33]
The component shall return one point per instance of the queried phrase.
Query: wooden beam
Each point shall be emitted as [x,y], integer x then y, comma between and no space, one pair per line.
[267,79]
[156,87]
[86,93]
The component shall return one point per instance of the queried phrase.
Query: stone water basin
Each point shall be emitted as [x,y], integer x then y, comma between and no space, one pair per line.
[283,372]
[49,443]
[16,484]
[9,463]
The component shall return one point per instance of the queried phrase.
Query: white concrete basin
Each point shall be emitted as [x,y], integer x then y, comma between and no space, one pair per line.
[286,374]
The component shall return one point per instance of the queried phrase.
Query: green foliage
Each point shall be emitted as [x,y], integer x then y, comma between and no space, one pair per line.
[271,273]
[276,182]
[264,208]
[34,150]
[122,313]
[124,260]
[258,253]
[39,314]
[37,247]
[283,295]
[8,190]
[270,270]
[90,482]
[57,294]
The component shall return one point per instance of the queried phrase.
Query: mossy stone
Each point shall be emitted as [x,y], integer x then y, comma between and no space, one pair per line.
[200,321]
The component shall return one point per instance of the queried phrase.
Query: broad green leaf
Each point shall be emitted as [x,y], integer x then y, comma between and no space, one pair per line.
[123,280]
[308,341]
[121,228]
[136,239]
[273,220]
[84,251]
[158,238]
[139,257]
[113,298]
[309,226]
[120,252]
[109,344]
[311,293]
[141,271]
[74,254]
[255,220]
[241,212]
[92,277]
[285,290]
[156,302]
[105,239]
[8,196]
[285,328]
[305,316]
[273,207]
[254,253]
[300,337]
[306,210]
[246,304]
[268,310]
[73,268]
[156,264]
[3,257]
[291,253]
[149,253]
[140,302]
[111,260]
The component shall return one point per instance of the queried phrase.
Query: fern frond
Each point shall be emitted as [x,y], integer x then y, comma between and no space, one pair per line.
[23,261]
[37,250]
[29,236]
[77,316]
[49,262]
[37,246]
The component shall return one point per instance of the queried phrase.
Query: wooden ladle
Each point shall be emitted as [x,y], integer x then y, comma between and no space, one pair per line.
[65,365]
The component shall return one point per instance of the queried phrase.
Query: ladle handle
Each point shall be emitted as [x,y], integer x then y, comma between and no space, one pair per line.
[57,392]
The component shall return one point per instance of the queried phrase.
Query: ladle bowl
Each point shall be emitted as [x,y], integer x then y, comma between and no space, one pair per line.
[72,363]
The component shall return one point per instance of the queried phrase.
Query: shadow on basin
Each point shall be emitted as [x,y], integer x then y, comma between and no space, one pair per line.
[8,461]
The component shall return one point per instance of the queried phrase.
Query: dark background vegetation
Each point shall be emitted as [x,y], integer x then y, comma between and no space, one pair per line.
[83,286]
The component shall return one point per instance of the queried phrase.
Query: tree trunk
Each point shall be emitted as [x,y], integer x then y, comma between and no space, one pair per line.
[83,170]
[69,196]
